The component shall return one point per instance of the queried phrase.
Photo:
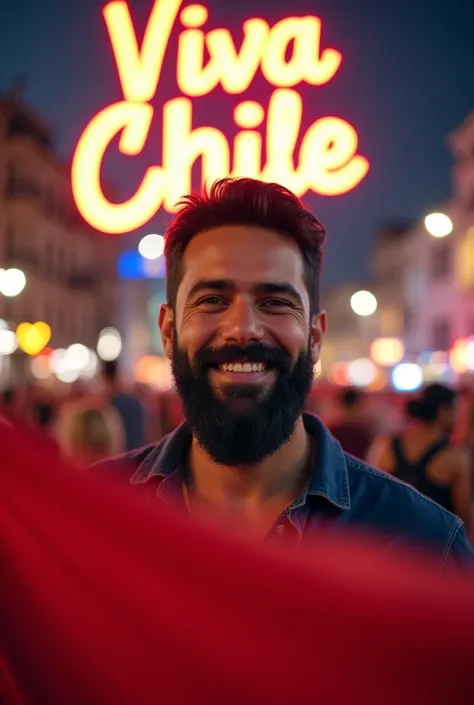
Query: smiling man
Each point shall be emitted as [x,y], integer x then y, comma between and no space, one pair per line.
[243,328]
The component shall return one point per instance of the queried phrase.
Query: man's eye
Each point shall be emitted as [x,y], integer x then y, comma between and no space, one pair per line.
[211,301]
[275,303]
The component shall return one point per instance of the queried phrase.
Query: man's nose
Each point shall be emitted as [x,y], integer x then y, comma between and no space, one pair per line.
[242,323]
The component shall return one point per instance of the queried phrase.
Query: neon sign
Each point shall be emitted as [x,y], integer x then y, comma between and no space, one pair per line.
[327,162]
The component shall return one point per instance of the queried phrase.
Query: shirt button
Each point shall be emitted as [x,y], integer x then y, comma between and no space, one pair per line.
[280,529]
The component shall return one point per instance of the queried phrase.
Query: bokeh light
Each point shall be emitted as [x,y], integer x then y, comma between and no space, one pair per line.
[12,282]
[92,367]
[387,352]
[67,375]
[151,246]
[458,357]
[77,356]
[109,345]
[407,377]
[363,303]
[362,373]
[8,342]
[154,371]
[339,374]
[56,360]
[40,367]
[438,224]
[470,354]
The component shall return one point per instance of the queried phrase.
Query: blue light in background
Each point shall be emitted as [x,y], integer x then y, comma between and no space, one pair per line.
[131,266]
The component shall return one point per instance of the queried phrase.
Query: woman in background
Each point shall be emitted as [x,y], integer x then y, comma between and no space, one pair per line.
[88,433]
[423,455]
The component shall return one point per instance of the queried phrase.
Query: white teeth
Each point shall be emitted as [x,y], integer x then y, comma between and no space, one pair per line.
[242,367]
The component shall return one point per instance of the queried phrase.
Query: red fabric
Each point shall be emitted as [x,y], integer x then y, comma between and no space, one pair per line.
[105,598]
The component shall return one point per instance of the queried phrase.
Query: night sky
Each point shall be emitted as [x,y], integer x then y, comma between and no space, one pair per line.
[405,82]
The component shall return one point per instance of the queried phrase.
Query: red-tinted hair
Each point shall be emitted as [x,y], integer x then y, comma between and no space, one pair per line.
[245,202]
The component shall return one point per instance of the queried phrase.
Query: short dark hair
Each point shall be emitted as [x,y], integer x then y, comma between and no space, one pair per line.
[432,398]
[245,201]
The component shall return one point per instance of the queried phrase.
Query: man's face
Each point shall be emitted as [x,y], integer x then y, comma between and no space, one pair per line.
[241,341]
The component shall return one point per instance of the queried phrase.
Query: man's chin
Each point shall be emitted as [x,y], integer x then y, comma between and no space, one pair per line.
[240,397]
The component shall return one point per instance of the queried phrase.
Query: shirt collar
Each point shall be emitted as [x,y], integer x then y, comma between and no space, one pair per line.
[329,478]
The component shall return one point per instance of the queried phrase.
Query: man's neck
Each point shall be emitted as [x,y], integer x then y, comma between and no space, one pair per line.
[247,493]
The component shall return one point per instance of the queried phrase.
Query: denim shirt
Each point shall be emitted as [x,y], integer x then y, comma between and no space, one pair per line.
[342,492]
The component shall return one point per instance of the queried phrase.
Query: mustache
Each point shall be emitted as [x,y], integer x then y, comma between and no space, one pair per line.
[255,352]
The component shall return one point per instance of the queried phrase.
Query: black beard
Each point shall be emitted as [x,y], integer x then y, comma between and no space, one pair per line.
[235,437]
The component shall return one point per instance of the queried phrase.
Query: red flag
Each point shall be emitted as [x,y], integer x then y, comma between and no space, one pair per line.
[108,598]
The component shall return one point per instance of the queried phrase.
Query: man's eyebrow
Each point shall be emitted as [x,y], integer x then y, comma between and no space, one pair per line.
[215,284]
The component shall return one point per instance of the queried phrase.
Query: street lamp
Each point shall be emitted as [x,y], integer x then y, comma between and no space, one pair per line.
[438,224]
[363,303]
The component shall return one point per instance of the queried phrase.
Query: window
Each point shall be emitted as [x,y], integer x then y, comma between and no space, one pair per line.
[441,334]
[465,260]
[441,260]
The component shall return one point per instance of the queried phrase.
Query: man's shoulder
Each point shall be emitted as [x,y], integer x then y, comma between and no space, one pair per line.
[381,500]
[128,463]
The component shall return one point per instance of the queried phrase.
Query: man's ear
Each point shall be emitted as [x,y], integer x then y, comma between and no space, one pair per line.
[166,325]
[318,329]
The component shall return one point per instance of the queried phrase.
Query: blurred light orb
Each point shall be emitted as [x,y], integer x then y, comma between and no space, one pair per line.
[363,303]
[407,377]
[8,342]
[77,356]
[339,374]
[362,373]
[438,224]
[470,354]
[154,371]
[458,357]
[12,282]
[151,246]
[57,359]
[40,367]
[92,367]
[3,324]
[387,352]
[109,345]
[67,375]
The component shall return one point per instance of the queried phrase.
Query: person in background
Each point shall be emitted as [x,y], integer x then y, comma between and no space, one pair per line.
[43,415]
[423,455]
[88,433]
[43,418]
[128,406]
[352,430]
[466,441]
[8,404]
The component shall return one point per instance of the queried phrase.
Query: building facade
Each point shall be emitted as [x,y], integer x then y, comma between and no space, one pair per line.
[425,284]
[70,269]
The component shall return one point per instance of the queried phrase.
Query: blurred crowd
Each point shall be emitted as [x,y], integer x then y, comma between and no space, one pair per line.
[426,441]
[87,425]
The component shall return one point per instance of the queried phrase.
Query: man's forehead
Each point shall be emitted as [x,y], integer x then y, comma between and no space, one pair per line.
[243,252]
